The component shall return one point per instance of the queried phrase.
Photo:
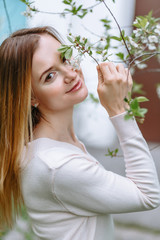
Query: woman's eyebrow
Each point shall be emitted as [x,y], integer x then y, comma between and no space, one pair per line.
[47,70]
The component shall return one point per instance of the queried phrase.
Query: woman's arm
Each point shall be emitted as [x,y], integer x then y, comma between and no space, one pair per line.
[86,188]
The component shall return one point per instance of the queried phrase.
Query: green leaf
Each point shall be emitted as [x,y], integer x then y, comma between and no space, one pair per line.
[150,14]
[120,55]
[90,53]
[79,8]
[144,22]
[93,98]
[127,116]
[99,52]
[70,39]
[142,99]
[123,33]
[116,38]
[68,53]
[77,38]
[116,150]
[141,112]
[137,88]
[134,104]
[85,41]
[136,25]
[63,48]
[66,2]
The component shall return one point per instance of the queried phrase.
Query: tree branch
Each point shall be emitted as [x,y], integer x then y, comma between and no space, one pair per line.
[64,13]
[152,55]
[119,29]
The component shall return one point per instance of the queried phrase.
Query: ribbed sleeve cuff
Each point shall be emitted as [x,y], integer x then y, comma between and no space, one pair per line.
[125,129]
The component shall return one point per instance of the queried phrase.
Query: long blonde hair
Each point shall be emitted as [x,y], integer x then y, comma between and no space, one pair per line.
[17,118]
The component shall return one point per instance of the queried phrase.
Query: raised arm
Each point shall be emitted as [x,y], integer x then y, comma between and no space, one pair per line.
[85,187]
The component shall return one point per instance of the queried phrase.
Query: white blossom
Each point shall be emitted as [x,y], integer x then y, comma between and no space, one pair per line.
[153,39]
[157,29]
[135,21]
[158,26]
[144,40]
[137,32]
[132,70]
[140,65]
[151,47]
[134,44]
[74,62]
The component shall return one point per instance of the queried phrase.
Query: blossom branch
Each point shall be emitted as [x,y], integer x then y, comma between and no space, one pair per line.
[118,28]
[66,12]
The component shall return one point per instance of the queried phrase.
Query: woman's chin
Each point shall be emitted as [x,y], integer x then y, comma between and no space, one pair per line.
[82,95]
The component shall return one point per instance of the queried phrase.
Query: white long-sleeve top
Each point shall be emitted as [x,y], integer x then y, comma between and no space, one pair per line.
[70,196]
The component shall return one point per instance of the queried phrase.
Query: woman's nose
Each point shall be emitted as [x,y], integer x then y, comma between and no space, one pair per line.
[70,74]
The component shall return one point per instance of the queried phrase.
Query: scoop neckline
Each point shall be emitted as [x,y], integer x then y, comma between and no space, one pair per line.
[62,142]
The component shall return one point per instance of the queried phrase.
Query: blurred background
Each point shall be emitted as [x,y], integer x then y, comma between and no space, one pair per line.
[98,133]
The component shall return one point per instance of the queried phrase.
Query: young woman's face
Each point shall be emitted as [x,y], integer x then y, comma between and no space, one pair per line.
[56,86]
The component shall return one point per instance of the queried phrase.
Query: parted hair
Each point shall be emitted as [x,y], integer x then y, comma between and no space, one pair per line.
[17,116]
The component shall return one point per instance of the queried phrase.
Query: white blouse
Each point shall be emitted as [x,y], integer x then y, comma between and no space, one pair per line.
[70,196]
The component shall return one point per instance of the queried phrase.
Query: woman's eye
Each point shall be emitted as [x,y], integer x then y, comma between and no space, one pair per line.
[50,76]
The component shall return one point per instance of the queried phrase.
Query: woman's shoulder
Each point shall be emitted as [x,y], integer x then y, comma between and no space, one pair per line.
[54,154]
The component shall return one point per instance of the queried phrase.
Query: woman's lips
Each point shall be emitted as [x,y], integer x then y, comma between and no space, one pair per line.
[76,87]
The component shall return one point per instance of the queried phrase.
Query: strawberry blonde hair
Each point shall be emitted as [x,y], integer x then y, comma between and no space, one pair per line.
[17,117]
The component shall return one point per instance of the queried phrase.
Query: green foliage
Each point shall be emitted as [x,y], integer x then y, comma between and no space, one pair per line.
[93,98]
[79,11]
[30,9]
[143,44]
[77,42]
[106,23]
[134,108]
[112,153]
[120,55]
[137,88]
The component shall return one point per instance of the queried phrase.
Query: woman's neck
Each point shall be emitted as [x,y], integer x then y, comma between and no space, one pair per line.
[57,126]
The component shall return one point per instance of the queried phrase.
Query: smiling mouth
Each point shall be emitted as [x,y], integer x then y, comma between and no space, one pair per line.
[76,87]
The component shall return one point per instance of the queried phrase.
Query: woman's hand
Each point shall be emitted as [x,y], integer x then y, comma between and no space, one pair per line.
[114,83]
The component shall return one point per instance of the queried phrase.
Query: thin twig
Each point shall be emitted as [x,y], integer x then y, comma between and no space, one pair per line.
[64,13]
[88,30]
[94,59]
[152,55]
[118,28]
[7,15]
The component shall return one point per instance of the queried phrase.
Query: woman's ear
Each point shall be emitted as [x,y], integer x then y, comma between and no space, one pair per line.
[34,102]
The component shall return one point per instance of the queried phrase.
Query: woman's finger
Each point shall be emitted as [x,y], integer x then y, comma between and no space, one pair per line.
[129,78]
[112,68]
[100,75]
[104,69]
[120,68]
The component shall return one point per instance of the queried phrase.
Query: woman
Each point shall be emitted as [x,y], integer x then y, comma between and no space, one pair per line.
[68,194]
